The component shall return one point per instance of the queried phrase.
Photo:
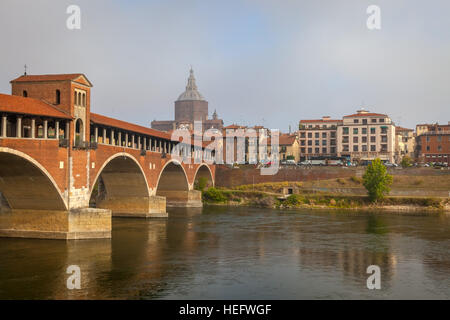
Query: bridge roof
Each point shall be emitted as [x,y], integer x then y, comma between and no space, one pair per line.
[111,122]
[18,104]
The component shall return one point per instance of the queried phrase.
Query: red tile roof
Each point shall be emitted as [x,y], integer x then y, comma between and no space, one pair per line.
[111,122]
[403,129]
[50,77]
[18,104]
[368,114]
[284,139]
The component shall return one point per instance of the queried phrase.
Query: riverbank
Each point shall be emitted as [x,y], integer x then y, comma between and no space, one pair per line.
[317,200]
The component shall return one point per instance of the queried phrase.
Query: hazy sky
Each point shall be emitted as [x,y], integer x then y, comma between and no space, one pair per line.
[256,61]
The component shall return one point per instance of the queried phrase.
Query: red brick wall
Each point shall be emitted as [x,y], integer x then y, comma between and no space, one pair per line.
[45,91]
[46,153]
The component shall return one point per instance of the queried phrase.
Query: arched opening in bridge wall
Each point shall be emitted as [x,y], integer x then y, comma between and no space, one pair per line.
[25,184]
[173,184]
[121,186]
[203,178]
[79,135]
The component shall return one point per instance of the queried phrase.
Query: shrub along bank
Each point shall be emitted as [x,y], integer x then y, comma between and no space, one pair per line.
[318,200]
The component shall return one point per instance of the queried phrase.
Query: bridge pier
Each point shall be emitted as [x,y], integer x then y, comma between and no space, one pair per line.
[135,207]
[187,199]
[83,223]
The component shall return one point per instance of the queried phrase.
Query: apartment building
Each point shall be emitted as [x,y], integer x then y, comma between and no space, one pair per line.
[318,138]
[365,136]
[433,143]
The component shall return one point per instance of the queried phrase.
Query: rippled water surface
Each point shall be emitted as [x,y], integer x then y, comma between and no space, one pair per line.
[239,253]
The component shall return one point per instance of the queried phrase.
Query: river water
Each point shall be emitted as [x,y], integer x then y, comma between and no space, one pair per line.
[239,253]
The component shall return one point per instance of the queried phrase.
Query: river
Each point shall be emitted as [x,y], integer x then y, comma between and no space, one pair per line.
[239,253]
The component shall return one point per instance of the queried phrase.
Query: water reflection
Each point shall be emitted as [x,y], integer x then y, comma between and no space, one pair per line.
[239,253]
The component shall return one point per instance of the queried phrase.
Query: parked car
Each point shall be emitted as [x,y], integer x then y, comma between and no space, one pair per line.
[389,164]
[291,162]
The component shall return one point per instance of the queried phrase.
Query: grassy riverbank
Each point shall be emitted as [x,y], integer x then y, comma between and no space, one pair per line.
[270,196]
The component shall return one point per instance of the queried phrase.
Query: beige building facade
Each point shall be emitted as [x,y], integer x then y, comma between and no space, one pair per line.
[365,136]
[405,143]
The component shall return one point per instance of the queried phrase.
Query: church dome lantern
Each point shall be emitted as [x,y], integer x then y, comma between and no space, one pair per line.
[191,93]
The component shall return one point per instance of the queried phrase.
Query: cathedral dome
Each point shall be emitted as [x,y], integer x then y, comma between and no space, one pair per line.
[191,92]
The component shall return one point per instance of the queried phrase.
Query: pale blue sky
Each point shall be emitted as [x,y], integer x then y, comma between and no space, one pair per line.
[256,61]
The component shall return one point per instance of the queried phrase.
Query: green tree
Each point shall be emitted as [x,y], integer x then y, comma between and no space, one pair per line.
[201,183]
[406,162]
[376,180]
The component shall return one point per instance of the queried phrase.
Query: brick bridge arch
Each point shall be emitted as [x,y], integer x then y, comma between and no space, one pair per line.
[26,184]
[204,171]
[120,183]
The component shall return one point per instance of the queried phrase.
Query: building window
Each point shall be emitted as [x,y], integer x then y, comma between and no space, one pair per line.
[58,97]
[333,134]
[302,150]
[84,99]
[428,139]
[428,148]
[345,139]
[384,148]
[383,138]
[316,135]
[302,142]
[355,130]
[25,93]
[364,130]
[364,139]
[355,120]
[324,142]
[381,120]
[309,142]
[364,148]
[75,98]
[79,98]
[384,130]
[439,148]
[373,148]
[355,139]
[316,142]
[372,130]
[374,120]
[324,135]
[309,150]
[364,121]
[302,135]
[373,139]
[345,147]
[345,130]
[332,150]
[439,138]
[317,150]
[309,134]
[355,148]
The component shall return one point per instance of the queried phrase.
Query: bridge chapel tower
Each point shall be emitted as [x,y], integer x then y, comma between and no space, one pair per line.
[68,92]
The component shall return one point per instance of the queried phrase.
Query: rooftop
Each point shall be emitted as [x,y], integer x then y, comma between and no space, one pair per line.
[18,104]
[111,122]
[52,77]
